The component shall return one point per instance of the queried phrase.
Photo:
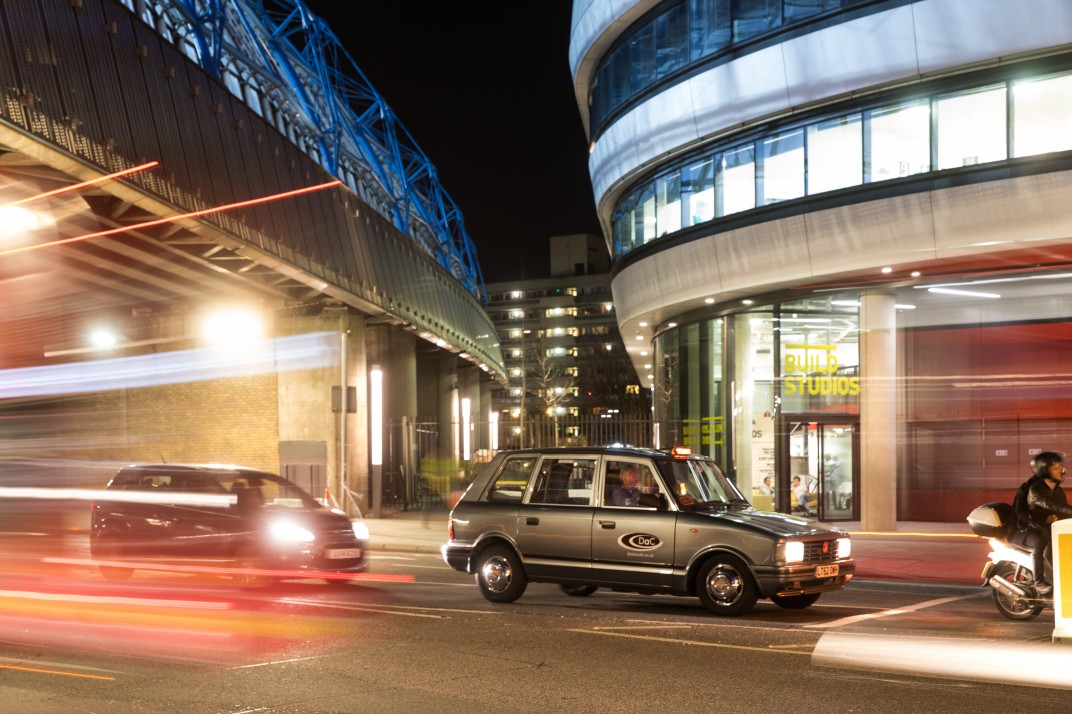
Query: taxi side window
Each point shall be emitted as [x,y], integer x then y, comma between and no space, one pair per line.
[510,484]
[626,482]
[564,482]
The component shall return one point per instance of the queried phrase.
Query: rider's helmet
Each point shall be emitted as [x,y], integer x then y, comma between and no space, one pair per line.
[1042,462]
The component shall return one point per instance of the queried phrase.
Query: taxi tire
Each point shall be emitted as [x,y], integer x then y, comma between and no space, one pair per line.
[499,575]
[795,602]
[725,586]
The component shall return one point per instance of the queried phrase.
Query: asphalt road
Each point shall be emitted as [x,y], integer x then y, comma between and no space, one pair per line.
[418,637]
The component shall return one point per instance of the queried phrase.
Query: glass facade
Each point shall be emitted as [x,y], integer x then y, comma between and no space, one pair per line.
[918,135]
[774,393]
[683,33]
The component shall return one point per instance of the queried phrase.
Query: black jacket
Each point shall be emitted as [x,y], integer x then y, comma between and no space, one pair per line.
[1040,503]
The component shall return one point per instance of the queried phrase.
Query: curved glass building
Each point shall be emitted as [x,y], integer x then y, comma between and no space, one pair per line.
[841,234]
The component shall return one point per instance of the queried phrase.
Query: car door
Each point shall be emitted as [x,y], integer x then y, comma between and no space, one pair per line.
[633,544]
[554,524]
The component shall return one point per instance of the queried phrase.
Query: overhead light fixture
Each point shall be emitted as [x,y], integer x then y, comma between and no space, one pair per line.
[643,324]
[887,269]
[845,303]
[709,301]
[965,293]
[905,307]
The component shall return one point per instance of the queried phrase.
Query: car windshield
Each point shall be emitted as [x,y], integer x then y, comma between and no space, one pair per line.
[700,482]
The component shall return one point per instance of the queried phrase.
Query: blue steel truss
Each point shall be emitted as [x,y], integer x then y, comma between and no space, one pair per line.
[282,59]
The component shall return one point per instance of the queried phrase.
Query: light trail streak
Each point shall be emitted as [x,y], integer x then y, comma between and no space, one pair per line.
[280,574]
[172,219]
[112,600]
[281,354]
[35,670]
[83,184]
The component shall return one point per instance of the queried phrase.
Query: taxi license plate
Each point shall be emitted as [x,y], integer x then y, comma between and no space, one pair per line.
[826,571]
[336,553]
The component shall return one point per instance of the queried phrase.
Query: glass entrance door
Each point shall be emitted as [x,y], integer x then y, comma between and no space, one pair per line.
[822,472]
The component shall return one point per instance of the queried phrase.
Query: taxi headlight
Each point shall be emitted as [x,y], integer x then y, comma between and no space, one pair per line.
[794,551]
[287,532]
[844,547]
[360,530]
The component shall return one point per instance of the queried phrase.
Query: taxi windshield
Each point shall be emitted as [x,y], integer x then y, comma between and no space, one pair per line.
[698,482]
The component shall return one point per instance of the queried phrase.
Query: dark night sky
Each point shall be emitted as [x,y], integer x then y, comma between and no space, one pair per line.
[484,88]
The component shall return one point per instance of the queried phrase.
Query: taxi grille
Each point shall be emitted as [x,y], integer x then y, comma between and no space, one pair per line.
[814,551]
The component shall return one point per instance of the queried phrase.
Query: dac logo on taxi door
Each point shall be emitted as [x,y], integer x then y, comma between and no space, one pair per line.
[640,541]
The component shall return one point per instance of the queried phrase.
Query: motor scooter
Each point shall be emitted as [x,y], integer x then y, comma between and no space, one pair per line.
[1009,572]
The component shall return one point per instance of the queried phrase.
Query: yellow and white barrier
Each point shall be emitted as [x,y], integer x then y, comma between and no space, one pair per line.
[1062,580]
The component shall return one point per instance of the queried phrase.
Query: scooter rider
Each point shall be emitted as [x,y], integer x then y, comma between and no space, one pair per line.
[1040,502]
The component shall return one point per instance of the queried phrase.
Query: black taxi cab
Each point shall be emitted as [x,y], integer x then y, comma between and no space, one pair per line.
[636,520]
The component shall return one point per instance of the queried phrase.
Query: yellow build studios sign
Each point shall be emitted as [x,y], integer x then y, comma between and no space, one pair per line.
[812,370]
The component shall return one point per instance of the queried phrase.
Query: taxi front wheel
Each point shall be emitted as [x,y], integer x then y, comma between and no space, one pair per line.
[499,576]
[725,586]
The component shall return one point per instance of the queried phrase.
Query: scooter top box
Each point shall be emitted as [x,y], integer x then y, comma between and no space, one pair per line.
[991,520]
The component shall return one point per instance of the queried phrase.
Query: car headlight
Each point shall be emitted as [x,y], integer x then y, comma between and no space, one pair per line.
[792,551]
[288,532]
[844,547]
[360,530]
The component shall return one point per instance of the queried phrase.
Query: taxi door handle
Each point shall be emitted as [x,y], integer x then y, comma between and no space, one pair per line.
[607,524]
[532,521]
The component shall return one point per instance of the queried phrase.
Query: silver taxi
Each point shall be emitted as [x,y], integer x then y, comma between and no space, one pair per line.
[636,520]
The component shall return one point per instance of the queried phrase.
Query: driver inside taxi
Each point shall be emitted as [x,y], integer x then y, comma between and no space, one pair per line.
[626,494]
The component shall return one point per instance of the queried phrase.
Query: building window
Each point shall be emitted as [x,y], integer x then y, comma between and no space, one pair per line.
[737,180]
[835,154]
[970,127]
[1042,121]
[899,141]
[781,172]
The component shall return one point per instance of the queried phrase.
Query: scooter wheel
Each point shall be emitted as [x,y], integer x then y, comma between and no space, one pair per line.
[1012,607]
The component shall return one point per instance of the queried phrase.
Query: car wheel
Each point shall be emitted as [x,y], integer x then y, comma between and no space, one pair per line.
[499,575]
[109,548]
[578,590]
[246,561]
[795,602]
[725,586]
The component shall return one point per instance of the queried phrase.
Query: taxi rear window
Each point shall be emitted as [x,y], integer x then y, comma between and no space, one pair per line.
[509,484]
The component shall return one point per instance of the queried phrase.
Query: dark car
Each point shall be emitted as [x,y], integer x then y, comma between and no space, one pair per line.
[641,521]
[257,523]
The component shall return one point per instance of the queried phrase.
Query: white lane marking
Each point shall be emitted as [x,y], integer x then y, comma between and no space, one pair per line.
[687,642]
[889,613]
[372,556]
[278,661]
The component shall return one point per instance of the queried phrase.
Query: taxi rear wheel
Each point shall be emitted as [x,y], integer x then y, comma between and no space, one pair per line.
[499,576]
[795,602]
[725,586]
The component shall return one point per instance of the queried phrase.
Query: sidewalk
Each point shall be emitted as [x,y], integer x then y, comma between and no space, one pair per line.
[945,553]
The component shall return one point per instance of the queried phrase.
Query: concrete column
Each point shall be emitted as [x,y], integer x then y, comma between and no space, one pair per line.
[878,411]
[304,401]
